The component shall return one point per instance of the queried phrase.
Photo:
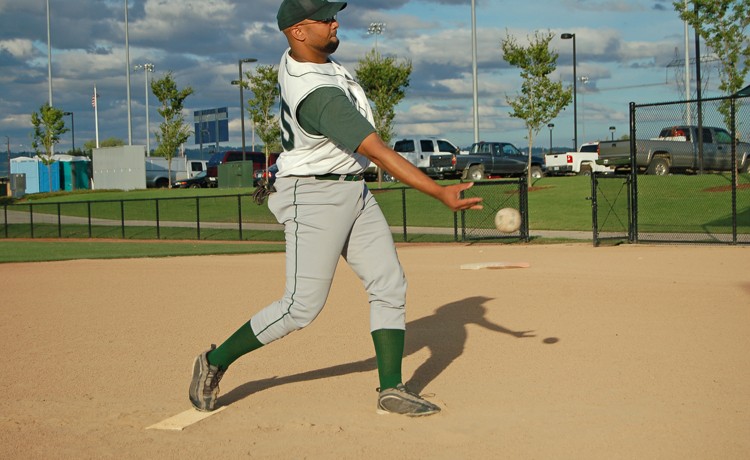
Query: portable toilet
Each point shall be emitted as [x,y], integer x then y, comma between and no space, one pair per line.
[49,176]
[30,168]
[74,172]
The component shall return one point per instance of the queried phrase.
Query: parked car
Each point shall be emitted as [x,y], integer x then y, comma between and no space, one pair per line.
[676,149]
[200,180]
[498,159]
[582,162]
[270,175]
[435,157]
[258,159]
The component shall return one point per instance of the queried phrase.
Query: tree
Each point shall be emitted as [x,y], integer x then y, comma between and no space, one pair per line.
[173,130]
[722,24]
[384,81]
[540,99]
[265,87]
[48,125]
[90,145]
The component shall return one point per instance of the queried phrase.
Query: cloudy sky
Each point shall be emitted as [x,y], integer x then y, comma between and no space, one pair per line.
[623,49]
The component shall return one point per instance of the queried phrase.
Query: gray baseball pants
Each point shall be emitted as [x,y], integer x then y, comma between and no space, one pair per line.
[325,219]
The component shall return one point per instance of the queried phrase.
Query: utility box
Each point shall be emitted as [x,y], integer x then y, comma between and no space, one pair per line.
[235,174]
[18,185]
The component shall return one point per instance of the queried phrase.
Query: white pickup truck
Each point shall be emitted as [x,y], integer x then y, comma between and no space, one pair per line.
[582,162]
[158,170]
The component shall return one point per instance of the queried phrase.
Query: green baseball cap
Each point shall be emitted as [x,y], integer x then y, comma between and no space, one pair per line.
[293,11]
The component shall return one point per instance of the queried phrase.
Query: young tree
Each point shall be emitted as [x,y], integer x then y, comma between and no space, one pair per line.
[173,130]
[722,24]
[48,125]
[265,87]
[384,81]
[90,145]
[540,99]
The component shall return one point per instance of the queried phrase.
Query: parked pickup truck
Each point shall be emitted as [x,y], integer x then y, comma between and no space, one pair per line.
[435,157]
[497,159]
[676,150]
[582,162]
[159,174]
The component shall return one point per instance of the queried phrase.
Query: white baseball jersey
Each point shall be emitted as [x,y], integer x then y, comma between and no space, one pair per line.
[306,154]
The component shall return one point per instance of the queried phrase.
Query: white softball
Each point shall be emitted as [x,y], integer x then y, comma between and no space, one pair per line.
[508,220]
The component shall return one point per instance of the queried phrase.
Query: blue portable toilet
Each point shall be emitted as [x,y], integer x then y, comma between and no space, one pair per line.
[49,177]
[39,177]
[29,167]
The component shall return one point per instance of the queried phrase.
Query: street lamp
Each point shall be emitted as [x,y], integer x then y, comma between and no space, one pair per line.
[550,126]
[568,36]
[72,129]
[242,103]
[612,130]
[148,67]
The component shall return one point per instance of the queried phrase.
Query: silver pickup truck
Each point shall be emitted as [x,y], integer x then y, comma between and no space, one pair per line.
[676,150]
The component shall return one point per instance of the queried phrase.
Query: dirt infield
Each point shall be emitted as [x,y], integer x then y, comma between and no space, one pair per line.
[617,352]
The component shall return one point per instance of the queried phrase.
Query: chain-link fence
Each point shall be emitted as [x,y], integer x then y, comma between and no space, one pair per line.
[610,210]
[689,184]
[496,194]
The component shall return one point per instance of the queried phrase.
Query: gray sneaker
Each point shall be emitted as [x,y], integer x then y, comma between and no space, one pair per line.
[399,400]
[204,388]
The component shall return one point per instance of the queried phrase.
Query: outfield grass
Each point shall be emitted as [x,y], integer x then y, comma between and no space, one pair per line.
[39,251]
[678,203]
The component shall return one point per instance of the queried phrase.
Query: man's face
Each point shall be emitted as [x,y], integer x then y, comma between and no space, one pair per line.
[322,34]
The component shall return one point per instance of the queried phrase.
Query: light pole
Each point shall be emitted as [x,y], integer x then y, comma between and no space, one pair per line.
[242,104]
[584,80]
[550,126]
[568,36]
[612,131]
[475,84]
[127,75]
[376,28]
[72,129]
[7,140]
[147,67]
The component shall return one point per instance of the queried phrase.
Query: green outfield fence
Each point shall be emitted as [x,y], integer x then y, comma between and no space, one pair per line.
[640,207]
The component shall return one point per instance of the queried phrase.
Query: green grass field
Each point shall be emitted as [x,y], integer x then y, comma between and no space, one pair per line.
[678,203]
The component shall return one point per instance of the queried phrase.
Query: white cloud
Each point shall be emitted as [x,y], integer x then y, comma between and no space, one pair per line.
[18,48]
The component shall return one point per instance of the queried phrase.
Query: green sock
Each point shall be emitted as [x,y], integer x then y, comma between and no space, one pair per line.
[241,342]
[389,351]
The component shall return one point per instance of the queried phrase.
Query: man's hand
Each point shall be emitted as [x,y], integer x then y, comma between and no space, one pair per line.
[450,196]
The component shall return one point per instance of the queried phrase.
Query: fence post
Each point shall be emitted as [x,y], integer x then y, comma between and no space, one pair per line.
[735,176]
[633,189]
[158,226]
[59,222]
[239,214]
[198,215]
[31,219]
[122,218]
[88,213]
[403,207]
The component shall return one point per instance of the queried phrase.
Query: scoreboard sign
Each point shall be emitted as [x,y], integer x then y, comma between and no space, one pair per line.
[211,126]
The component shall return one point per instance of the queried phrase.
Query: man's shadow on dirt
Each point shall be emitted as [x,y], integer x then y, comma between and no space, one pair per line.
[444,334]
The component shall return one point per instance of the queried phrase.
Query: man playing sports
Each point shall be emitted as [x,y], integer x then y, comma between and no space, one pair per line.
[327,210]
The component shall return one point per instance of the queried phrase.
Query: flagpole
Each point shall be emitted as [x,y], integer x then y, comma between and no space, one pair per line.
[95,103]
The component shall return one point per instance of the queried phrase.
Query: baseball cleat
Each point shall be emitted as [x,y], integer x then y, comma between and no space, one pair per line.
[399,400]
[204,388]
